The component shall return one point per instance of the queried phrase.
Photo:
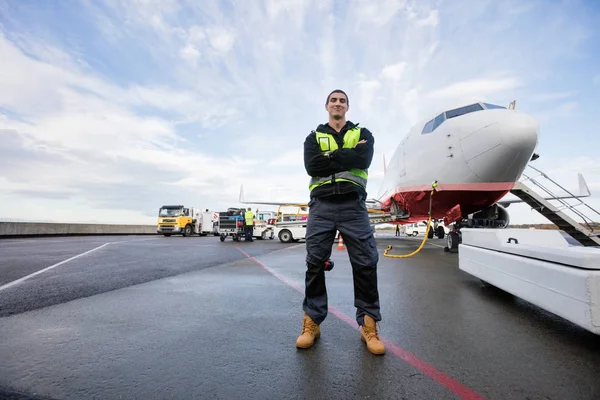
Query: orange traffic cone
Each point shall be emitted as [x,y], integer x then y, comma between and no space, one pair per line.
[340,243]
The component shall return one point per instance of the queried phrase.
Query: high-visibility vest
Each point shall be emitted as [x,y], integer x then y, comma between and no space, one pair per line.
[249,216]
[355,175]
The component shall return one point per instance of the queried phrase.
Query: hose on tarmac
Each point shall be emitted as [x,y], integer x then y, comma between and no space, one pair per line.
[385,253]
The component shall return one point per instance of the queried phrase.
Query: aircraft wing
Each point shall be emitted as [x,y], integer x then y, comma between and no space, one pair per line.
[372,204]
[584,191]
[268,203]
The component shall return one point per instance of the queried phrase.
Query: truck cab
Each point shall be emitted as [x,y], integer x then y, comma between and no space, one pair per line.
[178,220]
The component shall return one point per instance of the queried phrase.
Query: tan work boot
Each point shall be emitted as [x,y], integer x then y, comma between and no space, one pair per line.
[310,332]
[369,335]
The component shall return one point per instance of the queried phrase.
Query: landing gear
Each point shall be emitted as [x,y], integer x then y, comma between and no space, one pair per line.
[494,217]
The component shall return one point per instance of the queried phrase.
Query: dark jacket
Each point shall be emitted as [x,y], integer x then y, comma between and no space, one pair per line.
[340,160]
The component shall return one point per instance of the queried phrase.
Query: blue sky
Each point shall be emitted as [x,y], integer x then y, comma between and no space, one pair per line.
[110,109]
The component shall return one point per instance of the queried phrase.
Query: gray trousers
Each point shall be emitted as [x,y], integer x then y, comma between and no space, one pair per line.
[348,215]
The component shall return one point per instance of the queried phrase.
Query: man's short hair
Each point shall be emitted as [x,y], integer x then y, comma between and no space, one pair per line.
[337,91]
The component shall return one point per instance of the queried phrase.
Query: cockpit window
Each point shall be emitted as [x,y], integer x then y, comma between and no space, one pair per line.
[490,106]
[428,128]
[438,120]
[457,112]
[433,124]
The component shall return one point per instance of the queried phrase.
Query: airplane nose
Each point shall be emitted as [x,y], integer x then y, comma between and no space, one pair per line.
[500,151]
[520,132]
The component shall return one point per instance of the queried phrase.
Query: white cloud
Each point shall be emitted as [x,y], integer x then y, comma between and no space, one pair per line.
[190,53]
[377,12]
[476,88]
[394,72]
[221,39]
[432,20]
[546,97]
[566,109]
[557,111]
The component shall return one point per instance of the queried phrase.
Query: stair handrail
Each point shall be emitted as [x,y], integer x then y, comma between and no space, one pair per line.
[571,194]
[571,207]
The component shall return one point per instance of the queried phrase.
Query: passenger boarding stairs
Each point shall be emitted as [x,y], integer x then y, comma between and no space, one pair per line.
[557,214]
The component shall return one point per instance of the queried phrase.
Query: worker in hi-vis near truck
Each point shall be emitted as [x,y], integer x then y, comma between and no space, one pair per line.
[337,157]
[249,219]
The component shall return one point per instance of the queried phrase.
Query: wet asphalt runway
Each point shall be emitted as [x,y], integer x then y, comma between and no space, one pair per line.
[155,318]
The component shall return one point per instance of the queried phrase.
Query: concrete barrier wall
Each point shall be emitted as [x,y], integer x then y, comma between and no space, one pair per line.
[18,229]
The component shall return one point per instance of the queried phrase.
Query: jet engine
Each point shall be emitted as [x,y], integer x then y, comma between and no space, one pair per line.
[494,216]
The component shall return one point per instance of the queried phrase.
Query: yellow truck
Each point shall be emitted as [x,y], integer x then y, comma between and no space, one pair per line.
[178,220]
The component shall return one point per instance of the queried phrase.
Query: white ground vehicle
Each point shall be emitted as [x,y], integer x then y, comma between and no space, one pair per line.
[291,227]
[291,232]
[209,223]
[419,228]
[264,225]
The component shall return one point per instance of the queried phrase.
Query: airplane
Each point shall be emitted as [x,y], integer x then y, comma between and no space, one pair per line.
[475,153]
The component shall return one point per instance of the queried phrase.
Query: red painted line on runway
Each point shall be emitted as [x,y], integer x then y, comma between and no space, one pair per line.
[278,276]
[459,389]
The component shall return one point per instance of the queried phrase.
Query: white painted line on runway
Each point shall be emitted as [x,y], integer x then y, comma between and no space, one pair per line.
[66,240]
[287,248]
[28,241]
[132,241]
[13,283]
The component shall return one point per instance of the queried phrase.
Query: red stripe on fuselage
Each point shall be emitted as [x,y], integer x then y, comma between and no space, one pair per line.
[471,197]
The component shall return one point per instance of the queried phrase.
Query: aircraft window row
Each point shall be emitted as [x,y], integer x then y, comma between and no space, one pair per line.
[457,112]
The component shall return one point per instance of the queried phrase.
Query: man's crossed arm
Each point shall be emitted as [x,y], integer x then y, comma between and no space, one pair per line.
[340,160]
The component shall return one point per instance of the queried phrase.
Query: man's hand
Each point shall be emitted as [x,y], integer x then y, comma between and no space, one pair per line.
[361,142]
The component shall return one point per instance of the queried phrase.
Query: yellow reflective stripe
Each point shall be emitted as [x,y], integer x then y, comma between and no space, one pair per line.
[341,176]
[327,143]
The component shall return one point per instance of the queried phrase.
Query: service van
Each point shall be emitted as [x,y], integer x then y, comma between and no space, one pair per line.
[419,228]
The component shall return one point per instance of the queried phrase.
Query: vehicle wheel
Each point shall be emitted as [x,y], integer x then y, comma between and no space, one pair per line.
[187,231]
[167,235]
[285,236]
[222,238]
[430,234]
[452,242]
[415,233]
[441,232]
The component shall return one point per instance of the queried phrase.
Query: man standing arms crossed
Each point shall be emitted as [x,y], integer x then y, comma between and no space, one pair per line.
[337,157]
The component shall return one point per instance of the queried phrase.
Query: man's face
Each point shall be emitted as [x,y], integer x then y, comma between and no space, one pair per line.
[337,105]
